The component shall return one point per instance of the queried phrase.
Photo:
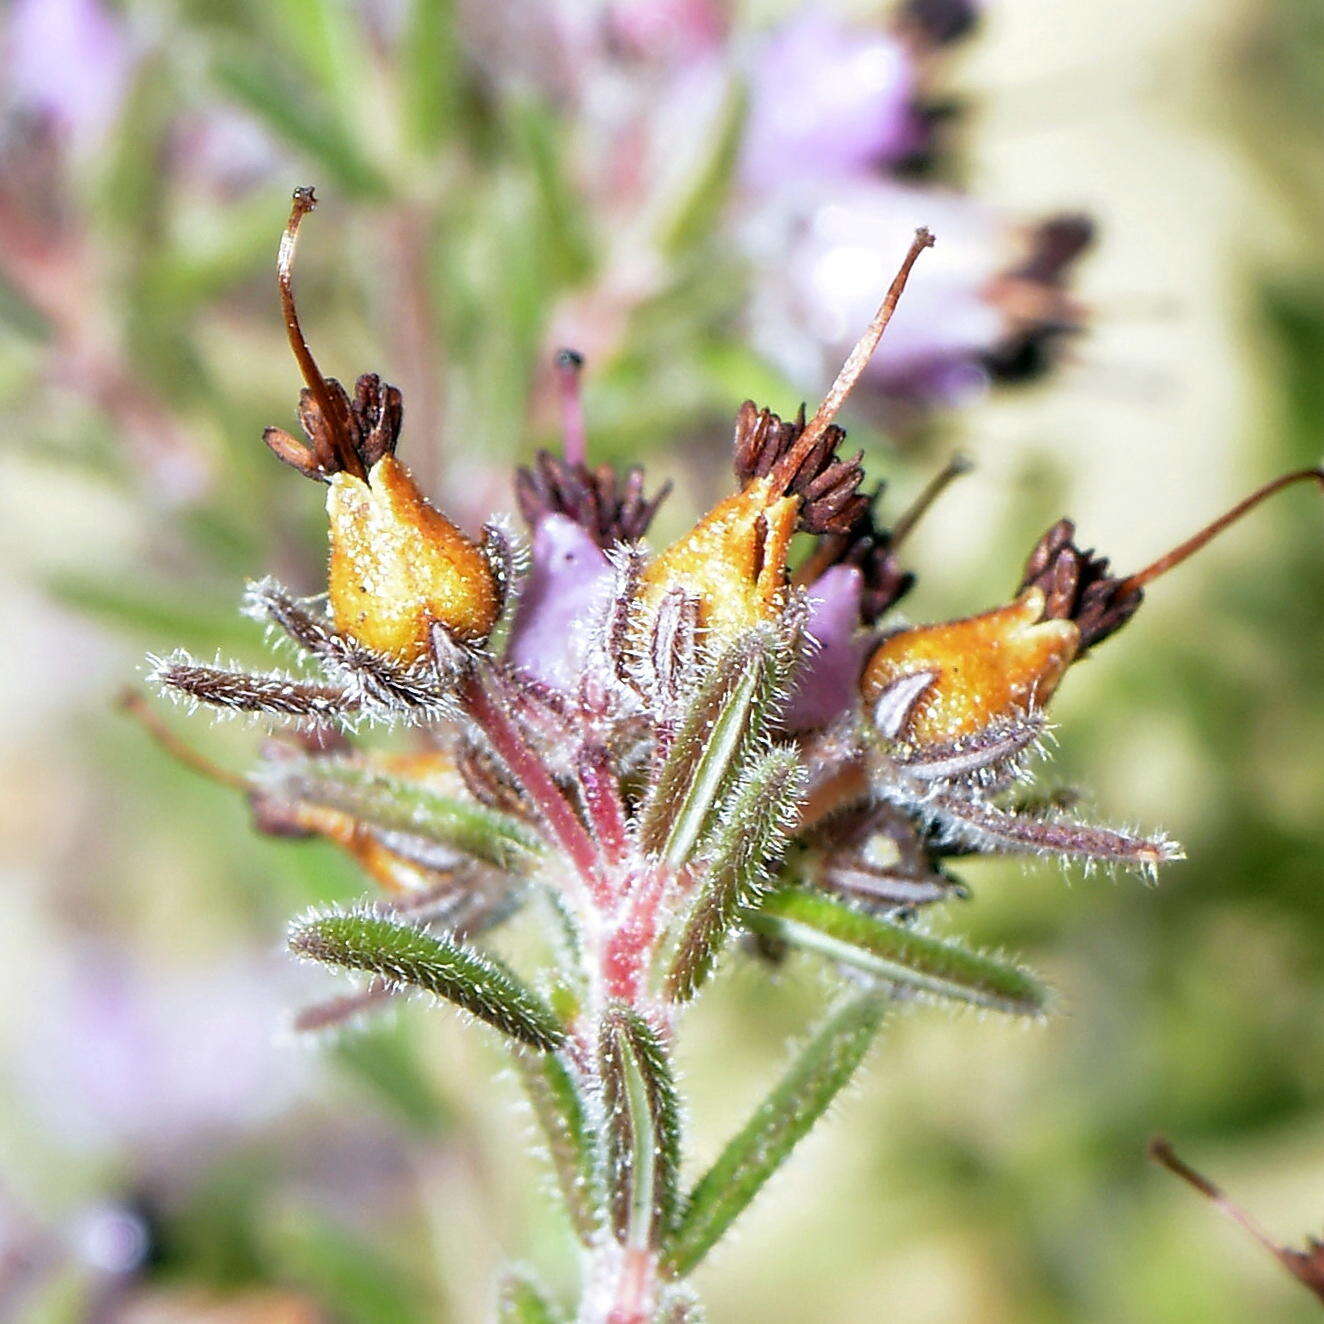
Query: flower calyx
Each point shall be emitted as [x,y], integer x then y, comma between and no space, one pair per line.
[733,562]
[827,486]
[937,686]
[366,426]
[399,567]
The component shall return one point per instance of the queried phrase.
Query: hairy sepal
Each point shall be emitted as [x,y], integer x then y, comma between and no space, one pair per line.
[411,809]
[974,823]
[722,732]
[232,690]
[385,688]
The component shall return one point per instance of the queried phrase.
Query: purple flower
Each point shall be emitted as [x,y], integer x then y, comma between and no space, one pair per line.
[68,60]
[829,679]
[828,101]
[566,580]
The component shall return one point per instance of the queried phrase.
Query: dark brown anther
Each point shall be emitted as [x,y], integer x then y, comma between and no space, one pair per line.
[293,452]
[1077,586]
[1034,300]
[933,23]
[376,416]
[827,486]
[610,509]
[1054,246]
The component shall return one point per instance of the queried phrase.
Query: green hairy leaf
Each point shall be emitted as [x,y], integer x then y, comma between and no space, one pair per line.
[433,964]
[753,827]
[561,1114]
[642,1129]
[394,804]
[720,732]
[520,1302]
[897,952]
[779,1123]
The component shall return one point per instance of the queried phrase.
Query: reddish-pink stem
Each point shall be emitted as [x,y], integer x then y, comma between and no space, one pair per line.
[602,799]
[536,782]
[631,943]
[634,1288]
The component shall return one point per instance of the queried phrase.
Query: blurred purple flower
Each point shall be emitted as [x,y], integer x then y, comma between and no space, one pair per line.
[672,30]
[68,60]
[828,100]
[159,1065]
[988,286]
[224,152]
[830,678]
[567,576]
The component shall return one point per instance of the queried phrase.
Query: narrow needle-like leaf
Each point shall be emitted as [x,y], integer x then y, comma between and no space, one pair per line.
[719,731]
[520,1302]
[561,1114]
[394,804]
[753,827]
[433,964]
[897,952]
[779,1123]
[642,1129]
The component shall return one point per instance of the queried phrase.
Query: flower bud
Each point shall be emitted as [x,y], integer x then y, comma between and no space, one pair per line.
[733,562]
[985,668]
[398,566]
